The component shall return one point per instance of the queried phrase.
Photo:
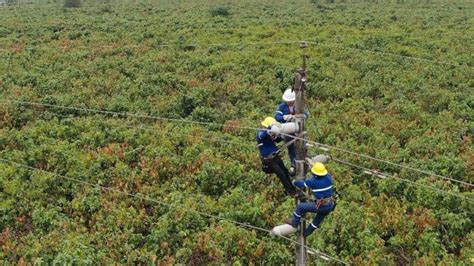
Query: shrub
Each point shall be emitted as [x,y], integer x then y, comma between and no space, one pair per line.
[220,11]
[72,3]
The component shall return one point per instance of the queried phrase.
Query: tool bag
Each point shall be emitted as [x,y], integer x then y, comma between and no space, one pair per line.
[325,201]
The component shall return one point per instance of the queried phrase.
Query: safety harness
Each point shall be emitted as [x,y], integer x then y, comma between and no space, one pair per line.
[324,201]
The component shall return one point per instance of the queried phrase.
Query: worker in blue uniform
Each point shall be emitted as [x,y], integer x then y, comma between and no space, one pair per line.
[271,161]
[286,113]
[321,184]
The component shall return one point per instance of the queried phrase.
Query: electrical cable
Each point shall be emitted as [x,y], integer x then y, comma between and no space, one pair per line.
[186,208]
[236,126]
[384,175]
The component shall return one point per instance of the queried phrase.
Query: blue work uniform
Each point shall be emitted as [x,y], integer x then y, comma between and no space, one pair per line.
[268,153]
[266,143]
[322,188]
[284,109]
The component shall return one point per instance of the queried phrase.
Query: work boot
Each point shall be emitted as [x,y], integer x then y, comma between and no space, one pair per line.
[289,221]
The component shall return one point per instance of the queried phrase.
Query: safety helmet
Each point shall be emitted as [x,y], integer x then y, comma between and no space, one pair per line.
[268,121]
[319,169]
[289,95]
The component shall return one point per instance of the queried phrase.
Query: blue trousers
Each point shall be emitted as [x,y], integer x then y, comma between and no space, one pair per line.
[305,207]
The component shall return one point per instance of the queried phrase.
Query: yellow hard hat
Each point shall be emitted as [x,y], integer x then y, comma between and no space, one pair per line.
[319,169]
[268,121]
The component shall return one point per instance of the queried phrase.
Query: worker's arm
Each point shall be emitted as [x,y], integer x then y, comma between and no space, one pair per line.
[277,138]
[279,114]
[262,135]
[300,183]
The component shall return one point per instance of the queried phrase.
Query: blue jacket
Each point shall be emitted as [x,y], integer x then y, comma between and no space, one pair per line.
[266,143]
[284,109]
[321,186]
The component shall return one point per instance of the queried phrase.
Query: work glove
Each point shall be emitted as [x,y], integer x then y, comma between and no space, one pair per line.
[288,117]
[272,134]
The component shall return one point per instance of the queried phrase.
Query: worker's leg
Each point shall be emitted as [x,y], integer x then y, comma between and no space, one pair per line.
[300,210]
[280,170]
[292,154]
[316,222]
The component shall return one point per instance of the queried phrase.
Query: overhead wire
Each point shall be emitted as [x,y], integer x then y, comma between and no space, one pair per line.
[153,129]
[388,162]
[368,171]
[164,45]
[412,58]
[280,42]
[235,126]
[311,251]
[322,255]
[186,208]
[380,174]
[384,175]
[333,45]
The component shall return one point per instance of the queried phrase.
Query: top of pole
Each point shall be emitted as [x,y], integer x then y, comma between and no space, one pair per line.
[303,44]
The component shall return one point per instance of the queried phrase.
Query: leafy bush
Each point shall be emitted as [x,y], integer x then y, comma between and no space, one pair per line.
[154,61]
[72,3]
[220,11]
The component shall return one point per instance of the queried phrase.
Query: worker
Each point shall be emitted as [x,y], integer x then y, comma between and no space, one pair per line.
[271,161]
[286,113]
[321,184]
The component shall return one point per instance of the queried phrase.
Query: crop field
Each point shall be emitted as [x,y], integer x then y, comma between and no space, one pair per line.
[127,130]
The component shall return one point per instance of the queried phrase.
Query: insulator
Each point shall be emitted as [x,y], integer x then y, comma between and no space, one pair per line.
[320,158]
[285,128]
[283,230]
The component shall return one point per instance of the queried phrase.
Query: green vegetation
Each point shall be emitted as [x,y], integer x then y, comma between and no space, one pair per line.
[111,56]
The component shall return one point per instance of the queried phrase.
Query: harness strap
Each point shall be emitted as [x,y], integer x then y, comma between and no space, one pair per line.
[325,201]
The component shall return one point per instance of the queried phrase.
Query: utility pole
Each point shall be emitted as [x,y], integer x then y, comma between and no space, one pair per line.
[299,84]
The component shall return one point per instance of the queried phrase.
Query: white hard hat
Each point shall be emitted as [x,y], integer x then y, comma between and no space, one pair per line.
[288,95]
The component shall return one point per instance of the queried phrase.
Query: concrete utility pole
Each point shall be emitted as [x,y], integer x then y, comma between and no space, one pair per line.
[300,166]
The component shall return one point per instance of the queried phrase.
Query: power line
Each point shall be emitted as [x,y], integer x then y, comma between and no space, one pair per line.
[152,129]
[413,58]
[129,114]
[240,127]
[388,162]
[384,175]
[311,251]
[206,45]
[165,45]
[145,197]
[366,171]
[209,45]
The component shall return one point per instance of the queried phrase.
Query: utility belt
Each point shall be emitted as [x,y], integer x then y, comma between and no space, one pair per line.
[324,201]
[271,156]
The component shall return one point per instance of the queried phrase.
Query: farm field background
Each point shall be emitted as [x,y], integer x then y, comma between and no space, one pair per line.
[388,79]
